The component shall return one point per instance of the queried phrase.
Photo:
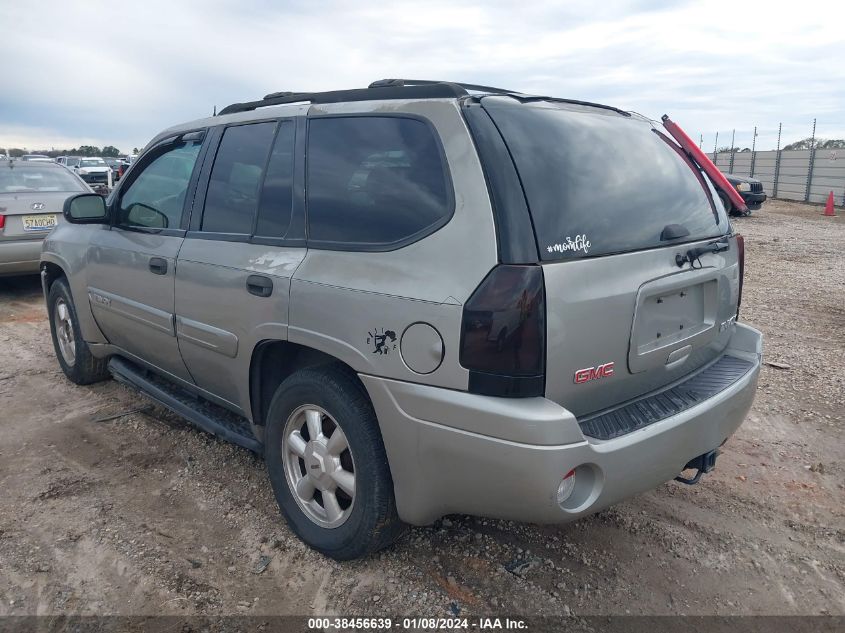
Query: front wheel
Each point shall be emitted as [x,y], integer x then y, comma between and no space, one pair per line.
[328,466]
[73,353]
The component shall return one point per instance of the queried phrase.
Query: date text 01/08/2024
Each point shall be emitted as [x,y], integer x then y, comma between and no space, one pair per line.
[416,624]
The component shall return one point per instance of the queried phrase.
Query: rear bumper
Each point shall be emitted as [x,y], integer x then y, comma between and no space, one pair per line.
[20,257]
[452,452]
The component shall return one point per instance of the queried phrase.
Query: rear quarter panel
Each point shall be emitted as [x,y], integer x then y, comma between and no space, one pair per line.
[339,300]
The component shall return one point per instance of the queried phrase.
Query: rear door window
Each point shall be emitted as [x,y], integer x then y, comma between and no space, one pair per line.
[374,182]
[276,203]
[233,189]
[600,183]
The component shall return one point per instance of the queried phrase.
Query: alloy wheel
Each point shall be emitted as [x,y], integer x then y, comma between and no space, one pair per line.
[64,331]
[319,467]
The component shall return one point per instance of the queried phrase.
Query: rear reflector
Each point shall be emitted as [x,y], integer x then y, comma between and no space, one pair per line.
[567,485]
[503,334]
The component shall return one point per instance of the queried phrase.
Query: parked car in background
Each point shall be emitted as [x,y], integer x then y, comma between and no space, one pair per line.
[68,161]
[37,157]
[127,163]
[117,167]
[94,171]
[751,191]
[31,197]
[413,304]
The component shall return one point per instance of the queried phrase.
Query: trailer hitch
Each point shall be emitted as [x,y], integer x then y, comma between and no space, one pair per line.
[702,464]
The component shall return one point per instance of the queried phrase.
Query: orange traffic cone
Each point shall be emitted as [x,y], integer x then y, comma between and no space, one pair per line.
[828,208]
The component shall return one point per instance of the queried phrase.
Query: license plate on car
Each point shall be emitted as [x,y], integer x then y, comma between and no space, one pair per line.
[43,222]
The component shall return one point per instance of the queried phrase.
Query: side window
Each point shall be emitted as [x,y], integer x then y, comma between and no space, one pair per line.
[374,181]
[233,189]
[274,212]
[156,197]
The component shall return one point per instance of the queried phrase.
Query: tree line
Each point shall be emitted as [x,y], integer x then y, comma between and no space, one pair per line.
[109,151]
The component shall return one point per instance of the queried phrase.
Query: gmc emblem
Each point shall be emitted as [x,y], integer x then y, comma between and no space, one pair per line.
[592,373]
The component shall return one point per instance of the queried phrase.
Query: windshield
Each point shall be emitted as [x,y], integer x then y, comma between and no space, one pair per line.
[21,179]
[599,183]
[91,162]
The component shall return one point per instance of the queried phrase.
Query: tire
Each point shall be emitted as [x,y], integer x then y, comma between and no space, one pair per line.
[330,398]
[73,353]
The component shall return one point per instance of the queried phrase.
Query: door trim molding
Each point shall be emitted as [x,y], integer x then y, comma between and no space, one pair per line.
[157,319]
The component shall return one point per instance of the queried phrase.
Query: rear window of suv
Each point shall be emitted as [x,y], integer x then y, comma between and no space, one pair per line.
[600,183]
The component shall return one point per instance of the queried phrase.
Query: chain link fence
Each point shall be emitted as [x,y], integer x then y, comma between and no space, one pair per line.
[805,175]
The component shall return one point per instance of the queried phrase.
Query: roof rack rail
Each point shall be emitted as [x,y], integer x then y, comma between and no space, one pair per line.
[433,90]
[398,83]
[491,90]
[383,89]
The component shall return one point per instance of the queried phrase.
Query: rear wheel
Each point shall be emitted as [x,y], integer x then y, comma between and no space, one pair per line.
[328,466]
[73,353]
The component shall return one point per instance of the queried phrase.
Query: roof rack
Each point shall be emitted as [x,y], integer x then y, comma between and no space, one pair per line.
[433,90]
[385,89]
[399,83]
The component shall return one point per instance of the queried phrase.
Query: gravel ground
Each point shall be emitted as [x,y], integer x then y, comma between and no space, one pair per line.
[145,515]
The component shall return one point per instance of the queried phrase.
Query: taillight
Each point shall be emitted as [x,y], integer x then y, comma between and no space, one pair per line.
[2,220]
[503,334]
[740,252]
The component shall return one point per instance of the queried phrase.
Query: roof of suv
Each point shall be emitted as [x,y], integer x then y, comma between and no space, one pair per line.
[385,89]
[381,90]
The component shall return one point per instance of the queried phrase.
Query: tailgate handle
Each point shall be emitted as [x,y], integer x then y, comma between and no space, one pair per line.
[678,356]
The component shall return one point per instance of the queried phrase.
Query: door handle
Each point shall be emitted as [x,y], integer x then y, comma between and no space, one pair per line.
[158,265]
[259,285]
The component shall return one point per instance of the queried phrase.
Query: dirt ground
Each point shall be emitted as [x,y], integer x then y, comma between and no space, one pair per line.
[142,514]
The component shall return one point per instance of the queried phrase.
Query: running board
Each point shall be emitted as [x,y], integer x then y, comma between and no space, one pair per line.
[207,416]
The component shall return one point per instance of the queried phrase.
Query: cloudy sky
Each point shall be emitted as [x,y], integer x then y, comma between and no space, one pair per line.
[89,72]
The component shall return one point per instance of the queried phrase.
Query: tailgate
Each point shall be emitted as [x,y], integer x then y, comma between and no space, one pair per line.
[653,321]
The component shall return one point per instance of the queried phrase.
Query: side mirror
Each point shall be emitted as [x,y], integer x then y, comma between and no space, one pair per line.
[86,208]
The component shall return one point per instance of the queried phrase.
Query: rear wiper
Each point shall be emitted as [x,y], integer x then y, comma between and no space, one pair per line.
[693,255]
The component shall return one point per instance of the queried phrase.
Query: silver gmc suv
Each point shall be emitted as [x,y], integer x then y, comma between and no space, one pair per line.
[419,298]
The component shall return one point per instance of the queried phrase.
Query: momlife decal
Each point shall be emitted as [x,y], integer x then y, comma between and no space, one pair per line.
[580,243]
